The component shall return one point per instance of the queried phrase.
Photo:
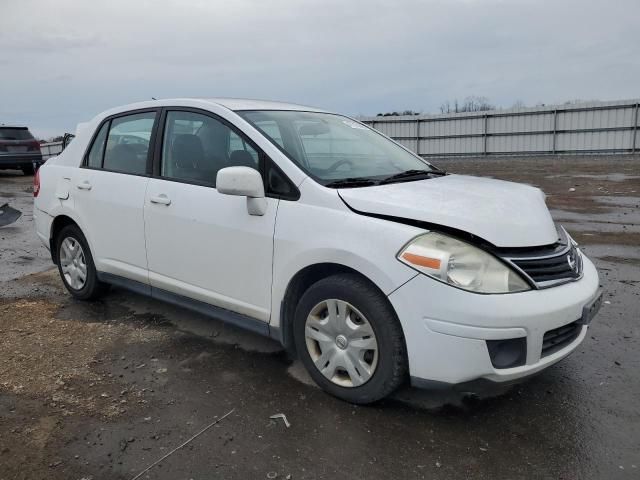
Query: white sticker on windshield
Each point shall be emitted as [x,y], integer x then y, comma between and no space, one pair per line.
[352,124]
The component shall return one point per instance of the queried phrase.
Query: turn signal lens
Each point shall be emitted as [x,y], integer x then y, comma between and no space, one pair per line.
[420,261]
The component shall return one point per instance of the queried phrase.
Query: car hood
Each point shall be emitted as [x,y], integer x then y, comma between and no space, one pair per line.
[505,214]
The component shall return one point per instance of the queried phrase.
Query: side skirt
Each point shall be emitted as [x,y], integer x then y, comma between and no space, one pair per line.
[227,316]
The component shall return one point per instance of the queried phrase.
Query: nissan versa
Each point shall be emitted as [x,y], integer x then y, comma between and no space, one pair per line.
[368,262]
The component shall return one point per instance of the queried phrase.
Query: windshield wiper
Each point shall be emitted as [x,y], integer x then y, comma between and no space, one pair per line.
[351,182]
[407,174]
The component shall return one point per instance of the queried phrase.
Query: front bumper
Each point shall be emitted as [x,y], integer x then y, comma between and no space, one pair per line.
[446,329]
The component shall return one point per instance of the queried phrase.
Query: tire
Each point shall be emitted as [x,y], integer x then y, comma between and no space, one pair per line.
[27,169]
[91,287]
[374,374]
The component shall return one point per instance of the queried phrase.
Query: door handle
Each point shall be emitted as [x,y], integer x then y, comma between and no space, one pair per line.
[161,199]
[85,185]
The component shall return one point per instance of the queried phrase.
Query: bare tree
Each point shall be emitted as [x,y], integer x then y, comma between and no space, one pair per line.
[445,107]
[477,104]
[471,103]
[395,114]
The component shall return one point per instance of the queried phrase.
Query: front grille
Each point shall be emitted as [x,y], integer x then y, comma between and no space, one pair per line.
[546,266]
[554,269]
[558,338]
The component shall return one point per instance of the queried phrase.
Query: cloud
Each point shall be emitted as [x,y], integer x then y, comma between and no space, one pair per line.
[27,43]
[65,61]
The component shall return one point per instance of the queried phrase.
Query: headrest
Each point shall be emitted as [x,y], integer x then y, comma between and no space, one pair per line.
[241,158]
[187,151]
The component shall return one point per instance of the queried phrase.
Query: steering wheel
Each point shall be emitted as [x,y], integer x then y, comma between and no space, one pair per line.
[338,164]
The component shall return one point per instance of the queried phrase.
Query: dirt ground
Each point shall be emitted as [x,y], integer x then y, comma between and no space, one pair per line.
[102,390]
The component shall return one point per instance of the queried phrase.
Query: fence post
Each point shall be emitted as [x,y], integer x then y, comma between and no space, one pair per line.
[418,136]
[555,127]
[635,130]
[484,151]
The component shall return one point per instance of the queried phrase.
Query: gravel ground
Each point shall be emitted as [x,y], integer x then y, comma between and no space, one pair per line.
[102,390]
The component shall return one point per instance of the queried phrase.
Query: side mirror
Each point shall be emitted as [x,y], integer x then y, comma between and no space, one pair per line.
[243,182]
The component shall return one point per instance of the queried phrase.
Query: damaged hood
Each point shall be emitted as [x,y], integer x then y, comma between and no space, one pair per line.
[505,214]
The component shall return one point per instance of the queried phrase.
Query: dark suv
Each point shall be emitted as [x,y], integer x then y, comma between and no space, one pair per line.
[19,150]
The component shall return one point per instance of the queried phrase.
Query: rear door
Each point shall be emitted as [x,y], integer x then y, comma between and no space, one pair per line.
[200,243]
[109,192]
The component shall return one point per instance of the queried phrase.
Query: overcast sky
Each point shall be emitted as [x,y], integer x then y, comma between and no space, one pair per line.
[63,61]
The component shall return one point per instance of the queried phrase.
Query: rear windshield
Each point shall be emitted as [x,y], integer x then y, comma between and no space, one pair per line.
[12,133]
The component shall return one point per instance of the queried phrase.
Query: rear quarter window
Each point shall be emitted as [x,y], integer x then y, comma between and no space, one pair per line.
[94,159]
[122,144]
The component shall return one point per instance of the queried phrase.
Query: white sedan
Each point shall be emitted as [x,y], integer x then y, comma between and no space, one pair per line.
[366,261]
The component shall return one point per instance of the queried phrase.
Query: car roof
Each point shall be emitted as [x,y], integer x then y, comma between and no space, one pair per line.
[234,104]
[253,104]
[2,125]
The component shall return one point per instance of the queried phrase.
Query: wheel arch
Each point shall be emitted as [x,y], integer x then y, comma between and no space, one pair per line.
[299,284]
[57,225]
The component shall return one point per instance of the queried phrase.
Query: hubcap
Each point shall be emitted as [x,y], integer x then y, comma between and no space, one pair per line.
[341,343]
[73,263]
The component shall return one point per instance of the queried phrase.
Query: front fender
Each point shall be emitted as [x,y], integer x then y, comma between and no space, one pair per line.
[365,244]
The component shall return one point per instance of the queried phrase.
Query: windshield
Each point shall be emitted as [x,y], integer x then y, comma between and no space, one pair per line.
[331,148]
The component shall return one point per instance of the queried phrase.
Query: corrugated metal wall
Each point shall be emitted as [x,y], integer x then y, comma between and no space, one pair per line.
[50,149]
[597,127]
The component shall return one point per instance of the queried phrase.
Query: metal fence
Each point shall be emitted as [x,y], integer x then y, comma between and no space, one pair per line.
[50,149]
[597,127]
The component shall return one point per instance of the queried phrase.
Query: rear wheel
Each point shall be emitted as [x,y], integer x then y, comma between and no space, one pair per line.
[349,339]
[76,266]
[27,169]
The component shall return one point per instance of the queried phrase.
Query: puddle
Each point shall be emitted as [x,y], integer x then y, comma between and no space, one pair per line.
[194,323]
[607,177]
[619,201]
[625,252]
[431,400]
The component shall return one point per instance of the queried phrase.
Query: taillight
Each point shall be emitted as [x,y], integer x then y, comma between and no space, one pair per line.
[34,146]
[36,183]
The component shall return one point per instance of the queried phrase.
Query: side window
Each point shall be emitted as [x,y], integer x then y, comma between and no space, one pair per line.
[195,147]
[94,159]
[279,185]
[128,143]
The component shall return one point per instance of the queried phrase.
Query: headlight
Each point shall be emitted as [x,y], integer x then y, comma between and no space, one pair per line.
[460,264]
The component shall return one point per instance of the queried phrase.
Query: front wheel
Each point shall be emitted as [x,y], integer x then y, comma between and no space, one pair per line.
[349,339]
[76,266]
